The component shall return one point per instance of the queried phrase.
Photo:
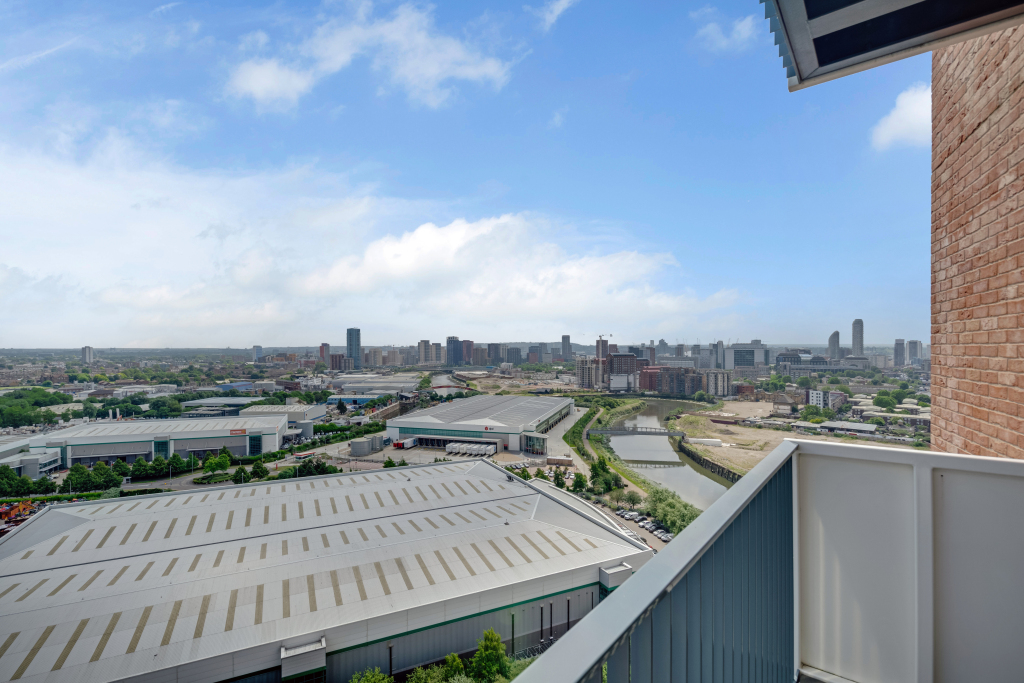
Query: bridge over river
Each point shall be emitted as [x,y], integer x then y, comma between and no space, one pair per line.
[636,431]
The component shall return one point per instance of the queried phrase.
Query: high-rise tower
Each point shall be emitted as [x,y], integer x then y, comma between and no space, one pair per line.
[354,349]
[833,346]
[858,337]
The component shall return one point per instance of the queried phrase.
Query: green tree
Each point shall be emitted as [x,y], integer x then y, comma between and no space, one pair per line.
[453,666]
[899,395]
[579,483]
[105,478]
[632,499]
[403,463]
[525,474]
[223,461]
[177,464]
[140,468]
[804,382]
[210,463]
[259,470]
[559,478]
[490,661]
[121,468]
[44,485]
[904,386]
[810,412]
[877,421]
[22,486]
[373,675]
[540,474]
[158,468]
[834,379]
[884,402]
[616,496]
[389,462]
[240,476]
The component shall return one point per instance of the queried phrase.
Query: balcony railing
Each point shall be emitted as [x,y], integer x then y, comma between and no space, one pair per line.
[827,561]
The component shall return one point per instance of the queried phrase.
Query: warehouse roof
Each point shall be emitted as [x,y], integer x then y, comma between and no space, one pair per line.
[222,401]
[280,410]
[150,428]
[125,587]
[485,411]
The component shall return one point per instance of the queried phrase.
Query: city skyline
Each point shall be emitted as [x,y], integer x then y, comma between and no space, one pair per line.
[272,186]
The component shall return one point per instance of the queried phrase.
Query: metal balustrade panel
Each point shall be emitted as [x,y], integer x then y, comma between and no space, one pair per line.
[728,619]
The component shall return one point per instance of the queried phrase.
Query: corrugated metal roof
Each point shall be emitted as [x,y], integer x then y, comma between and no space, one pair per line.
[148,583]
[479,411]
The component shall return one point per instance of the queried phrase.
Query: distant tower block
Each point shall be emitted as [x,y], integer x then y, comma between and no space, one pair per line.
[858,337]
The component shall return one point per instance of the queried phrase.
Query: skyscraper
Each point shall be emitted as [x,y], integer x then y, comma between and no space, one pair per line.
[602,348]
[325,353]
[899,354]
[467,351]
[87,355]
[454,347]
[858,337]
[257,353]
[423,351]
[833,346]
[566,348]
[719,354]
[354,349]
[513,355]
[494,354]
[914,350]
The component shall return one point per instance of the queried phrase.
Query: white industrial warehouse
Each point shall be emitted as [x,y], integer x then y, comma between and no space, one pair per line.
[109,441]
[313,579]
[515,423]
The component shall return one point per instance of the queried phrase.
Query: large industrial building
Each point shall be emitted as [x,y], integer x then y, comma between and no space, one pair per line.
[515,423]
[309,580]
[105,441]
[295,412]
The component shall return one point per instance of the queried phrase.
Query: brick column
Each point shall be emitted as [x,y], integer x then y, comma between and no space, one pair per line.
[978,246]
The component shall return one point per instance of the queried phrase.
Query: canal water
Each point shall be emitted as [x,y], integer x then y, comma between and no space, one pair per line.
[655,459]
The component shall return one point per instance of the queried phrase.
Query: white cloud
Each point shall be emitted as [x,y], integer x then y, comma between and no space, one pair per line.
[406,46]
[910,121]
[167,256]
[163,8]
[742,35]
[558,118]
[268,81]
[16,63]
[253,42]
[550,12]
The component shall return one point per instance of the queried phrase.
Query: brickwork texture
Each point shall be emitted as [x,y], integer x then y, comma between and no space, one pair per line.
[978,246]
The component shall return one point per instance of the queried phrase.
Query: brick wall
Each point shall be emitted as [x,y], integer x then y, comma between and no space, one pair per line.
[978,246]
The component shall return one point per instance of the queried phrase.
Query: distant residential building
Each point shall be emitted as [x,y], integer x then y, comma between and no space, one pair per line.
[718,382]
[87,355]
[533,356]
[747,355]
[858,337]
[833,345]
[354,349]
[880,361]
[662,347]
[342,363]
[423,351]
[613,348]
[915,350]
[720,354]
[494,354]
[542,348]
[602,348]
[514,355]
[826,399]
[585,368]
[257,353]
[480,355]
[899,354]
[680,350]
[325,353]
[566,348]
[467,351]
[453,346]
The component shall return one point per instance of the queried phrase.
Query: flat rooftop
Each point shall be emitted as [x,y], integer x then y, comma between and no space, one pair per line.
[225,401]
[126,587]
[516,412]
[149,428]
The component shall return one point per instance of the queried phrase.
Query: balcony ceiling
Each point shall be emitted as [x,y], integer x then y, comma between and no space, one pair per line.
[820,40]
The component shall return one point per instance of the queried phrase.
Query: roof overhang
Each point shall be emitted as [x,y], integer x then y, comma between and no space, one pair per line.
[820,40]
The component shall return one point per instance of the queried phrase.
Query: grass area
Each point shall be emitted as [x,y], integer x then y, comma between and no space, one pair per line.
[630,406]
[601,448]
[574,435]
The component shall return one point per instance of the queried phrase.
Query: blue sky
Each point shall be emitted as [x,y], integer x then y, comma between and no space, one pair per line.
[230,174]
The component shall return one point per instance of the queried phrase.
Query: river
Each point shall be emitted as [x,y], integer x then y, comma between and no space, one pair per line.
[655,459]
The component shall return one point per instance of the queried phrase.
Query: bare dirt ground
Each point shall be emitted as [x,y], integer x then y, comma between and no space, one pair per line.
[744,447]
